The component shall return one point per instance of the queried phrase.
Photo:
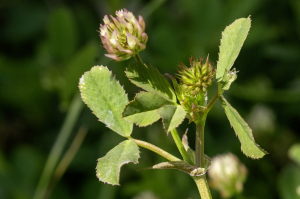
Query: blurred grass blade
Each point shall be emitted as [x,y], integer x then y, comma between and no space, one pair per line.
[60,142]
[67,159]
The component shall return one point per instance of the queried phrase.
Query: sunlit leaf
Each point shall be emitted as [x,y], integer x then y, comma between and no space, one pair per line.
[109,166]
[143,109]
[233,38]
[172,115]
[243,131]
[150,79]
[106,98]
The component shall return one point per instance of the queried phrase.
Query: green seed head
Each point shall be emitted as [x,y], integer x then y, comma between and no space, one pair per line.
[196,78]
[193,85]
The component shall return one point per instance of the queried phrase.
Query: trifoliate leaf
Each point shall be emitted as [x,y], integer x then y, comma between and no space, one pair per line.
[243,131]
[143,109]
[106,98]
[232,41]
[108,167]
[172,115]
[150,79]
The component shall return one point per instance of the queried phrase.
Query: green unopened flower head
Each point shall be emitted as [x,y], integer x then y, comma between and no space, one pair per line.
[227,174]
[194,81]
[123,36]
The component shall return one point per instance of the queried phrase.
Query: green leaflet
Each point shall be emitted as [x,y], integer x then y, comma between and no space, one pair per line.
[232,41]
[294,153]
[172,115]
[143,109]
[150,79]
[243,131]
[108,167]
[106,98]
[184,166]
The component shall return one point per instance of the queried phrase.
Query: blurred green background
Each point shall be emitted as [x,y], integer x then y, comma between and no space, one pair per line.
[45,47]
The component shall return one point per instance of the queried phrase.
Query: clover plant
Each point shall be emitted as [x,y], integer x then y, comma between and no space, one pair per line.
[123,37]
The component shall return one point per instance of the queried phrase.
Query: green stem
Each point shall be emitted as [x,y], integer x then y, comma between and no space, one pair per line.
[180,146]
[201,180]
[211,103]
[202,185]
[58,147]
[138,58]
[155,149]
[200,141]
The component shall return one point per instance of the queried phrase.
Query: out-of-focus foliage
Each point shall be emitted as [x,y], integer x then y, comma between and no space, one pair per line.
[45,47]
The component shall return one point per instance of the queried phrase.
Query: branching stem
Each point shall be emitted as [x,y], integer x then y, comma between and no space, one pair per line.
[202,186]
[201,180]
[180,146]
[211,103]
[155,149]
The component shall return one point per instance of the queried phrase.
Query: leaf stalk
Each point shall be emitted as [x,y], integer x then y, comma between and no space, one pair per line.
[180,146]
[155,149]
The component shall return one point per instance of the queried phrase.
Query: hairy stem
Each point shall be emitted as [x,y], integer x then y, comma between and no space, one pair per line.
[200,141]
[180,146]
[155,149]
[201,180]
[202,185]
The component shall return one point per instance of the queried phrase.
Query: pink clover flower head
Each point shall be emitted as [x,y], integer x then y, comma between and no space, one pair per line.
[123,36]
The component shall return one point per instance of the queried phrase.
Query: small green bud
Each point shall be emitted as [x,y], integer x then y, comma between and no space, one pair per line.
[228,78]
[123,36]
[227,174]
[193,85]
